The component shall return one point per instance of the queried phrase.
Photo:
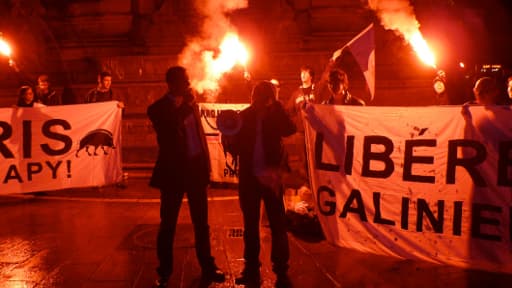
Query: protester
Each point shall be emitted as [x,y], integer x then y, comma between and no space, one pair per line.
[258,143]
[26,97]
[295,146]
[486,92]
[103,92]
[305,93]
[182,166]
[509,90]
[338,86]
[44,93]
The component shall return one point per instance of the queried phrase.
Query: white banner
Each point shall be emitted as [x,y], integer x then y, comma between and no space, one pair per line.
[430,183]
[57,147]
[224,168]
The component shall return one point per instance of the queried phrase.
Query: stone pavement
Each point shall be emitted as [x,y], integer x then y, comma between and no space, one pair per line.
[105,237]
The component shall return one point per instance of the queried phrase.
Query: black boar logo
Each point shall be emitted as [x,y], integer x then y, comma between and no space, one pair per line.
[97,138]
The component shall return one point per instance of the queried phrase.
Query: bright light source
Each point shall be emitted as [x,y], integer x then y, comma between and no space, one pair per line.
[421,48]
[231,52]
[5,49]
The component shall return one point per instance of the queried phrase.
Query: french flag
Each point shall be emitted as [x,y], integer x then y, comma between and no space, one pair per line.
[362,48]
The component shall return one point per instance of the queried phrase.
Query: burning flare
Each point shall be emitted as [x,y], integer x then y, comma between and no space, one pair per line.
[398,15]
[421,48]
[5,49]
[216,49]
[232,52]
[215,64]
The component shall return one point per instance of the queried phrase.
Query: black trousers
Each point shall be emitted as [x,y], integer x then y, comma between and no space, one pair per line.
[251,192]
[170,203]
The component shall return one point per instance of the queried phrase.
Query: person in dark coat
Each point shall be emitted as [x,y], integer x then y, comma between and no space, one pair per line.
[103,92]
[338,86]
[260,149]
[45,94]
[182,166]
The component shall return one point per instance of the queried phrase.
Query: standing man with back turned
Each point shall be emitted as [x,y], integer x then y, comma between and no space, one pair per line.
[182,166]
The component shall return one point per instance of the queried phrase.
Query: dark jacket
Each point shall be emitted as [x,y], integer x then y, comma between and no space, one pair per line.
[22,103]
[276,125]
[168,122]
[96,95]
[294,108]
[50,98]
[348,99]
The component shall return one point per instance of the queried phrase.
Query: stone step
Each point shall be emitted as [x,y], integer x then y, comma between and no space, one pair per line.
[138,170]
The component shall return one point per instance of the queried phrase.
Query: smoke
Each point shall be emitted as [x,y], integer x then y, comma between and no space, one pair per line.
[396,15]
[201,51]
[399,16]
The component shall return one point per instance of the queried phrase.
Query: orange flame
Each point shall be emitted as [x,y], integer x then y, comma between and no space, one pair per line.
[421,48]
[398,15]
[5,49]
[231,52]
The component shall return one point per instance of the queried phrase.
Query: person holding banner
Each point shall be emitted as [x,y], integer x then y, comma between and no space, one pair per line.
[260,150]
[182,165]
[26,97]
[45,94]
[103,92]
[338,86]
[486,92]
[509,91]
[296,149]
[305,93]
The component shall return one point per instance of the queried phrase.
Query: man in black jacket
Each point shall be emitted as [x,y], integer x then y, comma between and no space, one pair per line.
[338,86]
[182,166]
[103,92]
[44,93]
[260,150]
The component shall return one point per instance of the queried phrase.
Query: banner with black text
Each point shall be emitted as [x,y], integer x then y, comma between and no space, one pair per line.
[430,183]
[57,147]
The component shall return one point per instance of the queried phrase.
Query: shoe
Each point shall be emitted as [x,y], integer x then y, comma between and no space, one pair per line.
[213,275]
[249,279]
[283,281]
[161,283]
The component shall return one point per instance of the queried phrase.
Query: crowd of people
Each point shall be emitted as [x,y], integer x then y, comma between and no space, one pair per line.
[183,162]
[182,165]
[43,94]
